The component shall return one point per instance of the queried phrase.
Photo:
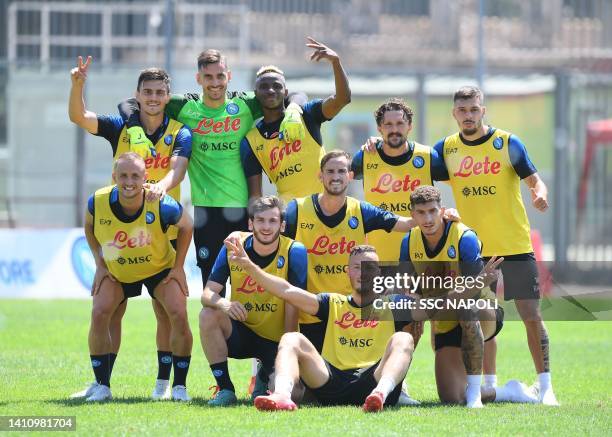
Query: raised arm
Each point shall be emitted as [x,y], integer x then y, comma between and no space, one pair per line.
[334,103]
[77,112]
[301,299]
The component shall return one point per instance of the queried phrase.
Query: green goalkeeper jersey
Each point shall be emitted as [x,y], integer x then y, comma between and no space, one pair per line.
[215,169]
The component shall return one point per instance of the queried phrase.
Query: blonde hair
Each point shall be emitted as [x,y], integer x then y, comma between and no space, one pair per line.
[269,69]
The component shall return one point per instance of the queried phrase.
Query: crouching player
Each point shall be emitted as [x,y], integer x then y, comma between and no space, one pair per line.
[252,321]
[362,361]
[439,248]
[127,237]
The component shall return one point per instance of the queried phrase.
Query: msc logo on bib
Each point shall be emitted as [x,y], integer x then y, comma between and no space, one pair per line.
[150,217]
[232,109]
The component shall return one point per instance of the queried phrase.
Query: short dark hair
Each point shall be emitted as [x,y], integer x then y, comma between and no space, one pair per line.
[211,56]
[336,154]
[425,194]
[393,104]
[264,203]
[154,74]
[362,248]
[468,92]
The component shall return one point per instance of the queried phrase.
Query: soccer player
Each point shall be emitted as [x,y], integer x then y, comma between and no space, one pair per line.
[164,174]
[440,248]
[330,224]
[127,237]
[292,166]
[363,361]
[250,324]
[219,121]
[395,170]
[485,166]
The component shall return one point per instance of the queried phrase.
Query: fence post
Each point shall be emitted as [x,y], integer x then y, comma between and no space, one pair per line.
[561,184]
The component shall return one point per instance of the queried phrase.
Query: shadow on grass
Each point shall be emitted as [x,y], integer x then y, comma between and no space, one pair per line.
[81,402]
[203,402]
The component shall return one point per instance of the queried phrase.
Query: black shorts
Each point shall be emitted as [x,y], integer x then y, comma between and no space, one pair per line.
[211,225]
[315,332]
[521,280]
[133,289]
[452,338]
[244,343]
[350,387]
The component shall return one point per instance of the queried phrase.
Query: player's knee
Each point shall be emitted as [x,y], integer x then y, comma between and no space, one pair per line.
[403,341]
[529,310]
[209,319]
[101,315]
[291,340]
[454,397]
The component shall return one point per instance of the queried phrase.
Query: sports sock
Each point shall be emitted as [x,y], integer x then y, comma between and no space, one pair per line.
[472,390]
[490,380]
[181,367]
[164,365]
[221,374]
[101,368]
[283,385]
[111,364]
[385,386]
[544,380]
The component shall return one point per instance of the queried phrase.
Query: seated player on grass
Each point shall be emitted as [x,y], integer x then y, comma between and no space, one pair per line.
[251,322]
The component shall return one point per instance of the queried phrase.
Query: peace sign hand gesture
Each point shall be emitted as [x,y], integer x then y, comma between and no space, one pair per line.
[78,74]
[321,51]
[489,273]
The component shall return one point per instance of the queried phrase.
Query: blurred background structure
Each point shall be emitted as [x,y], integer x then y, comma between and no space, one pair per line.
[545,66]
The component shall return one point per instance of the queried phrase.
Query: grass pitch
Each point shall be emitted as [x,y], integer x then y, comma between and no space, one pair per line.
[44,358]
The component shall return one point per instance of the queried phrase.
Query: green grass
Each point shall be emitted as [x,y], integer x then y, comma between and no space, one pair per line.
[43,358]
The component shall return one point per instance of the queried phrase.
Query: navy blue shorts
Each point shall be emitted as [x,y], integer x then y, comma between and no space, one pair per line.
[350,387]
[521,279]
[244,343]
[133,289]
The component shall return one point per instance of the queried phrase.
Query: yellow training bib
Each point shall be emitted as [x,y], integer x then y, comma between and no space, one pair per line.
[266,313]
[132,251]
[488,193]
[292,167]
[158,167]
[328,248]
[389,187]
[353,343]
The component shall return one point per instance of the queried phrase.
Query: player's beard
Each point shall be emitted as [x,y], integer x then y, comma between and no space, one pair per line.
[335,190]
[395,141]
[268,240]
[471,131]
